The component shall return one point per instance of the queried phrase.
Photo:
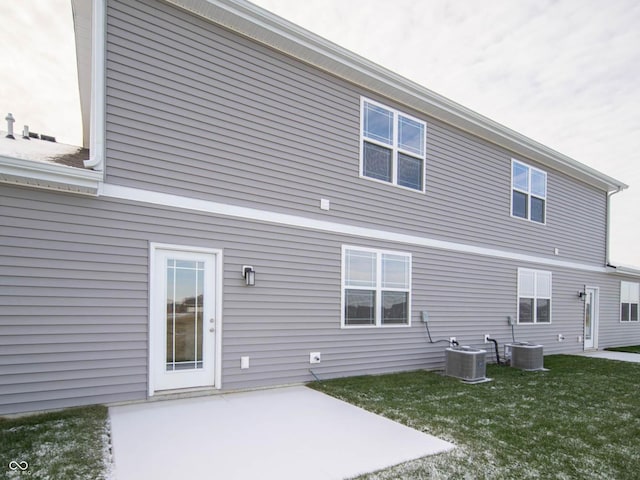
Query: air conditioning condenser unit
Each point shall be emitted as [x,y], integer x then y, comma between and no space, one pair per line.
[466,363]
[527,356]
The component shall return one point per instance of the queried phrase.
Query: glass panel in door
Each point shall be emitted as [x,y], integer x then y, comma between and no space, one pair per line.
[588,316]
[184,316]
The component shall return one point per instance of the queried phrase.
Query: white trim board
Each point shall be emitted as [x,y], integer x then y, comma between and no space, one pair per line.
[245,213]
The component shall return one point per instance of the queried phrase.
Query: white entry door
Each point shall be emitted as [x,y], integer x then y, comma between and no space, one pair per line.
[590,318]
[183,318]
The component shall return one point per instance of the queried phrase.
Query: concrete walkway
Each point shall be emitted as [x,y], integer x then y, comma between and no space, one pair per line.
[286,433]
[622,356]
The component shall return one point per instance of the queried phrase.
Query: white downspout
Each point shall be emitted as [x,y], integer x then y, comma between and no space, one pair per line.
[98,86]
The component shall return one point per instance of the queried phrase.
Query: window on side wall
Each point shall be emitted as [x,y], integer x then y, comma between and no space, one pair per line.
[534,296]
[392,146]
[629,301]
[528,192]
[376,288]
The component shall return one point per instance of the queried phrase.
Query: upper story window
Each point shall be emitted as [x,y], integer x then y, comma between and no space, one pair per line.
[528,192]
[534,296]
[392,147]
[376,287]
[629,300]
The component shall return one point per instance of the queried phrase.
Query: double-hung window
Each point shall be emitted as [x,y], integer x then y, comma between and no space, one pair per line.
[528,192]
[376,287]
[629,300]
[534,296]
[392,146]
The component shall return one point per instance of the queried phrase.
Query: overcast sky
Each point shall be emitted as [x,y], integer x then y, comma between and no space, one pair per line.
[565,73]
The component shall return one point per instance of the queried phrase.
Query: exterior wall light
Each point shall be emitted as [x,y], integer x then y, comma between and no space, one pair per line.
[581,295]
[249,275]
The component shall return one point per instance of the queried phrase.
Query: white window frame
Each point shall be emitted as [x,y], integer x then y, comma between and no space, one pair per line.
[528,193]
[378,287]
[536,295]
[395,149]
[630,293]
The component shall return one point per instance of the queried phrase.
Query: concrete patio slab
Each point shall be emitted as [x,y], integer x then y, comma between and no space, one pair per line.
[622,356]
[285,433]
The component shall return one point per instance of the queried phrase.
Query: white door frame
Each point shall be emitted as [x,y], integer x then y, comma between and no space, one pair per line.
[154,301]
[594,318]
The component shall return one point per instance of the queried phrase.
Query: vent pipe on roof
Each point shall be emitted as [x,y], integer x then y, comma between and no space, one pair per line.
[25,132]
[9,118]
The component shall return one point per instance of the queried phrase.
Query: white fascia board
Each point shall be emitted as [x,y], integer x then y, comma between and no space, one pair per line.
[51,176]
[252,214]
[254,22]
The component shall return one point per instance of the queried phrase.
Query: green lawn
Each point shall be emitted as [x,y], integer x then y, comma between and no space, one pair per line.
[67,445]
[580,420]
[630,349]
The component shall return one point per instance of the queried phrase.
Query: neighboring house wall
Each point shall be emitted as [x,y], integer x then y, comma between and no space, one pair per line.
[614,332]
[195,110]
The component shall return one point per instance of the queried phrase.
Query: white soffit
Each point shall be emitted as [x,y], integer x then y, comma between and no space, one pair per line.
[82,12]
[254,22]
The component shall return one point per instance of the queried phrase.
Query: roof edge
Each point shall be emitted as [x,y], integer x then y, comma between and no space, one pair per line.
[32,173]
[267,28]
[627,270]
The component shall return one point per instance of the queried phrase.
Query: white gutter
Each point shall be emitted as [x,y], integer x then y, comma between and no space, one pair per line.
[629,271]
[51,176]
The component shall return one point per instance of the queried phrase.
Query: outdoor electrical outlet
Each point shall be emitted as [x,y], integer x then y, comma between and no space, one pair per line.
[560,337]
[510,320]
[244,363]
[452,340]
[486,337]
[314,357]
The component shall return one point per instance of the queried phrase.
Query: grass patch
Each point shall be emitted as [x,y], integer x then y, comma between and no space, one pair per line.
[630,349]
[67,445]
[579,420]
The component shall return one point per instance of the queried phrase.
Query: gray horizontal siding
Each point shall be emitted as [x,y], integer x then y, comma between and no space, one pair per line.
[72,328]
[71,332]
[472,182]
[195,110]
